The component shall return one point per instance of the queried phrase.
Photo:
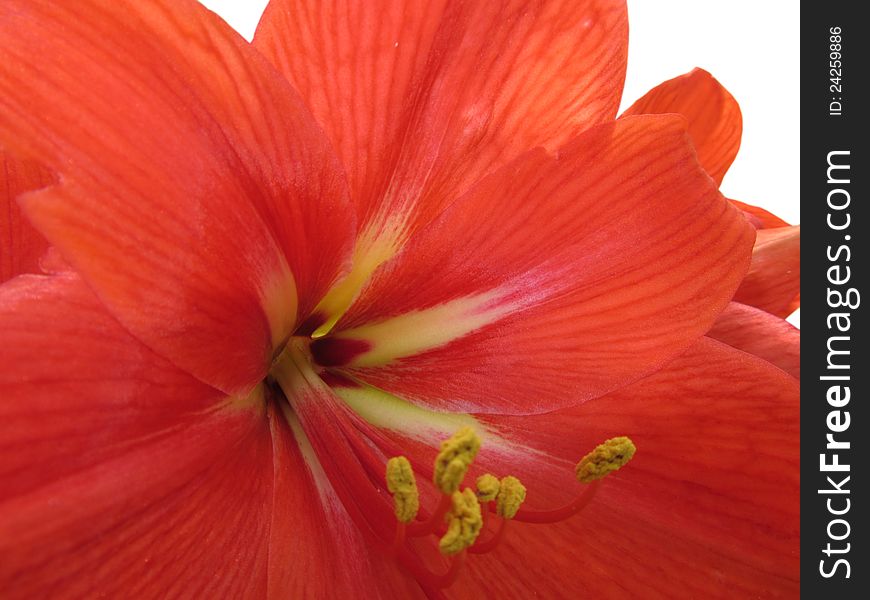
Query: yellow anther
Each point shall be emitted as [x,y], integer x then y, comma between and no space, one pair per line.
[511,495]
[454,459]
[464,522]
[403,487]
[605,459]
[487,487]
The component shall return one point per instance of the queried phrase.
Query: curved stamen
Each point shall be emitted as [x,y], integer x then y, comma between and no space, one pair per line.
[510,495]
[560,514]
[494,540]
[452,573]
[429,580]
[605,458]
[431,524]
[460,517]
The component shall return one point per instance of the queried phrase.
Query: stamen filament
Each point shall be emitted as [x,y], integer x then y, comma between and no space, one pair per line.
[426,578]
[452,573]
[399,538]
[429,526]
[560,514]
[492,542]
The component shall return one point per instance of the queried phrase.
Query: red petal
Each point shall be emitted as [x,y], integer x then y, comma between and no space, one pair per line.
[422,100]
[21,245]
[762,334]
[185,514]
[122,476]
[708,508]
[590,270]
[77,389]
[760,218]
[187,165]
[354,63]
[774,278]
[107,454]
[715,122]
[328,557]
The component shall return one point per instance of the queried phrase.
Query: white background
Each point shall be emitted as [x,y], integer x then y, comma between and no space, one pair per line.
[751,46]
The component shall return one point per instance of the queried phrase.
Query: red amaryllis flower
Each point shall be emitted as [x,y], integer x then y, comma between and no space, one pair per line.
[415,221]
